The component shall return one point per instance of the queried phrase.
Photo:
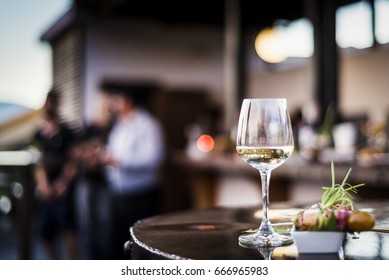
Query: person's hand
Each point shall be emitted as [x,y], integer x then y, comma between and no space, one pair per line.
[45,191]
[106,158]
[61,186]
[92,154]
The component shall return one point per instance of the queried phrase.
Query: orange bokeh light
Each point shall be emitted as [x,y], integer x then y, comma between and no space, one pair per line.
[205,143]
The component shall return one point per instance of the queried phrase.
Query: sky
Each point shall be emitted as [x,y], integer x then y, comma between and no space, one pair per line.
[25,61]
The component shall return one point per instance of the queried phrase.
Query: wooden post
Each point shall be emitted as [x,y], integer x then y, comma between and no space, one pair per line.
[233,64]
[322,13]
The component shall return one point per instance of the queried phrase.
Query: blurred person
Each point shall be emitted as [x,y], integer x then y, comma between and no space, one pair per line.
[134,154]
[55,177]
[92,190]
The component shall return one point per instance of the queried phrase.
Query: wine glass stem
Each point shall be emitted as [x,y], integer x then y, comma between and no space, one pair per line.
[265,179]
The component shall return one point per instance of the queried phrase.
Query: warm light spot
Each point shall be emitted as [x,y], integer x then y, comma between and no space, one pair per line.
[285,39]
[268,46]
[205,143]
[285,252]
[206,227]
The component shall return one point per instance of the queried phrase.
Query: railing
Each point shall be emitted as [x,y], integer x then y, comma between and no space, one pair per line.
[18,166]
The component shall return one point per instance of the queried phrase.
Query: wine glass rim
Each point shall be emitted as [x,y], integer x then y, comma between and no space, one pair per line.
[264,99]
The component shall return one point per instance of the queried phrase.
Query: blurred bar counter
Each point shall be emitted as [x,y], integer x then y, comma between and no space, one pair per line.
[295,175]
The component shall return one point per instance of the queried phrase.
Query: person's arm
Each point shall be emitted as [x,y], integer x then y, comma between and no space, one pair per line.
[42,182]
[69,169]
[68,173]
[40,175]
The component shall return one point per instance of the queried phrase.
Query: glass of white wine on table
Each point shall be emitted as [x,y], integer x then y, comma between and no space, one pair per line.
[265,141]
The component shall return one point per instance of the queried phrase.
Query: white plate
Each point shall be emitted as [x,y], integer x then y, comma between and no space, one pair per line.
[318,241]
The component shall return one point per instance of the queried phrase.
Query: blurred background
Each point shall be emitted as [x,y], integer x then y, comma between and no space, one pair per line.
[198,60]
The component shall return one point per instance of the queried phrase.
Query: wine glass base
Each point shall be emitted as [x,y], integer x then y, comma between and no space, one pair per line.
[255,240]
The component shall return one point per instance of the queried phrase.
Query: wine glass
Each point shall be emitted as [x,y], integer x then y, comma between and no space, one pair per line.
[265,141]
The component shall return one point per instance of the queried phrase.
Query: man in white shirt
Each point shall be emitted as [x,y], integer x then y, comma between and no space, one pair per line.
[135,152]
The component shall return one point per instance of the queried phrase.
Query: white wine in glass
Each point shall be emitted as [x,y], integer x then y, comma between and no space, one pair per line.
[265,141]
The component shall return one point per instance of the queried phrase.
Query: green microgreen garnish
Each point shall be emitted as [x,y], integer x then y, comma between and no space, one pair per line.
[339,195]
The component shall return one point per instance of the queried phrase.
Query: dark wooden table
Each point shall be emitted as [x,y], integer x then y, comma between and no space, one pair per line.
[207,234]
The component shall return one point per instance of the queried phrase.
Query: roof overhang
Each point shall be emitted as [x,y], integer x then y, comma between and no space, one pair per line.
[61,25]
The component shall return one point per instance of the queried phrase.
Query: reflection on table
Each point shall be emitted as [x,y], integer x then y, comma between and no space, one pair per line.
[213,234]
